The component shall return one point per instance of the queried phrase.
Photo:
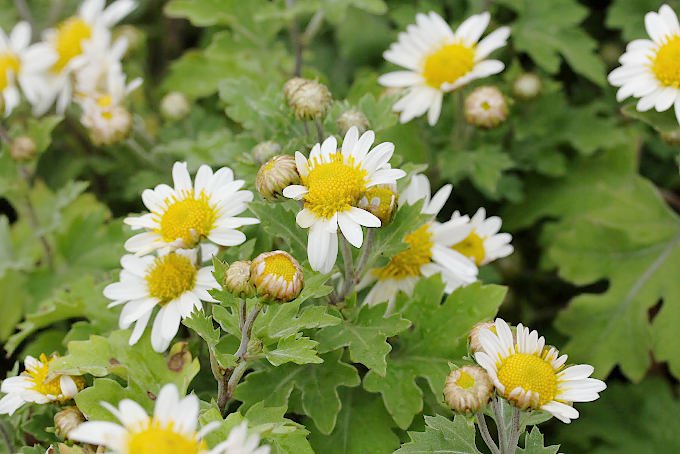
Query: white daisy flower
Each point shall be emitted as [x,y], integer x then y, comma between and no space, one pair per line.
[429,250]
[650,68]
[22,66]
[172,428]
[32,386]
[333,182]
[530,374]
[483,244]
[439,60]
[182,216]
[170,281]
[71,40]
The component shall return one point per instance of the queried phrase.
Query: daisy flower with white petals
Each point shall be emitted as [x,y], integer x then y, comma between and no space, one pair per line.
[170,281]
[530,374]
[483,244]
[333,181]
[182,216]
[650,68]
[71,40]
[172,428]
[32,385]
[429,250]
[439,60]
[22,66]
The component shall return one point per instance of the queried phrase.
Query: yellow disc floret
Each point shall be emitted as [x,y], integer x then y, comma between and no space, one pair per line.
[407,263]
[69,39]
[334,186]
[159,439]
[448,64]
[280,265]
[666,63]
[187,218]
[465,380]
[39,374]
[472,247]
[9,68]
[170,277]
[531,373]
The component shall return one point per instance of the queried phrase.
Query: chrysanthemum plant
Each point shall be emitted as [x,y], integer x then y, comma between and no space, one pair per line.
[288,240]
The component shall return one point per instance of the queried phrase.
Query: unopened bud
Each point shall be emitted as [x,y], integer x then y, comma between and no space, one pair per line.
[175,106]
[352,117]
[468,389]
[277,276]
[485,107]
[380,201]
[108,126]
[66,420]
[610,52]
[264,151]
[22,148]
[237,279]
[671,137]
[527,86]
[473,337]
[309,99]
[275,175]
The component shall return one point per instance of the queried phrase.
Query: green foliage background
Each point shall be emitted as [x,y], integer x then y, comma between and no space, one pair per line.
[588,188]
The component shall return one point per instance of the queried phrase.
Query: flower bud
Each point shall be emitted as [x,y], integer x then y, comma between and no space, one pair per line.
[610,52]
[275,175]
[380,201]
[22,148]
[237,279]
[473,337]
[66,420]
[309,99]
[108,123]
[352,117]
[468,389]
[264,151]
[527,86]
[277,276]
[175,106]
[485,107]
[671,137]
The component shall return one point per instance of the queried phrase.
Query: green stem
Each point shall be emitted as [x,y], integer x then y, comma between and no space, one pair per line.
[486,435]
[500,424]
[348,282]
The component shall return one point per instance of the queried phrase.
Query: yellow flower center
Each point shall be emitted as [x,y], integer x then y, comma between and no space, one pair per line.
[380,202]
[448,64]
[472,247]
[39,374]
[334,186]
[187,218]
[69,41]
[666,63]
[531,373]
[158,439]
[171,275]
[279,265]
[9,67]
[407,263]
[465,380]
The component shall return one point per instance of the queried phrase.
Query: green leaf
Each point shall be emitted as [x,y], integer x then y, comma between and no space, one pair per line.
[201,13]
[363,426]
[203,326]
[613,226]
[295,348]
[546,30]
[253,106]
[437,337]
[533,444]
[484,166]
[365,333]
[278,220]
[663,122]
[629,16]
[90,399]
[443,436]
[317,384]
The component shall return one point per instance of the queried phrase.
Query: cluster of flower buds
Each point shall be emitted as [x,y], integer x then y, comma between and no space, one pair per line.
[276,277]
[309,99]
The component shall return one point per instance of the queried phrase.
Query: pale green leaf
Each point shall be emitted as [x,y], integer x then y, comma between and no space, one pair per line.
[443,436]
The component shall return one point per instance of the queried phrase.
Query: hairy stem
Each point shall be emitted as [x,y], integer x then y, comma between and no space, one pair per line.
[486,435]
[513,437]
[296,41]
[500,424]
[319,130]
[348,281]
[365,253]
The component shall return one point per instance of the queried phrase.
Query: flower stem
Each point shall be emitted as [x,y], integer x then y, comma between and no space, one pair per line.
[513,438]
[365,253]
[319,130]
[500,424]
[33,218]
[348,282]
[486,436]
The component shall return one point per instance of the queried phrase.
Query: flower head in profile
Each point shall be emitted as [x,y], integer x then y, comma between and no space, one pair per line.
[439,60]
[22,66]
[183,215]
[72,38]
[483,243]
[530,374]
[429,250]
[650,68]
[170,281]
[332,183]
[32,385]
[172,428]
